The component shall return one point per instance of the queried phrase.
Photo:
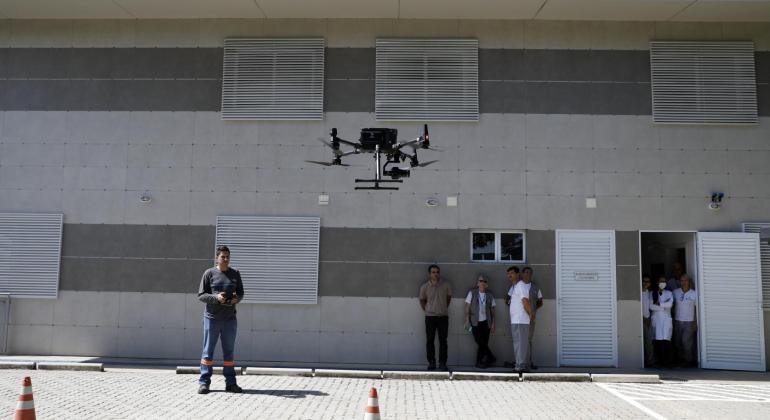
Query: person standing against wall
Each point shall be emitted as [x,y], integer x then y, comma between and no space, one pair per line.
[685,324]
[480,317]
[523,298]
[535,295]
[435,297]
[513,276]
[221,289]
[649,352]
[662,301]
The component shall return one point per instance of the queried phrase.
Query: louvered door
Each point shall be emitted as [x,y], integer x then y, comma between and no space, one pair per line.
[730,317]
[585,288]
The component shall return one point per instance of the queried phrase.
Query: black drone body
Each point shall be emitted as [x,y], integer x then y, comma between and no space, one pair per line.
[380,141]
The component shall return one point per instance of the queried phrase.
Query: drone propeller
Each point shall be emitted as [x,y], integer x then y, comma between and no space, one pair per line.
[424,164]
[318,162]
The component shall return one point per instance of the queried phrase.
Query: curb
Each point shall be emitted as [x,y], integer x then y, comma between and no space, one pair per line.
[555,377]
[17,365]
[342,373]
[82,367]
[196,370]
[621,378]
[394,374]
[483,376]
[278,371]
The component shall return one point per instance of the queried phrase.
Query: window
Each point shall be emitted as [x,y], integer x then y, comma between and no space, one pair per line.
[277,256]
[703,82]
[427,79]
[498,246]
[273,79]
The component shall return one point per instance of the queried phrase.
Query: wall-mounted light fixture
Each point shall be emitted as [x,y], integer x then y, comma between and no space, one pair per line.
[716,201]
[145,198]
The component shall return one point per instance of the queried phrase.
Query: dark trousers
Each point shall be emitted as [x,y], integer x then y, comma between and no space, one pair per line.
[663,352]
[481,335]
[433,324]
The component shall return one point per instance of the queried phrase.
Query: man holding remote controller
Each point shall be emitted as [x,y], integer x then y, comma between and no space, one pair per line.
[221,289]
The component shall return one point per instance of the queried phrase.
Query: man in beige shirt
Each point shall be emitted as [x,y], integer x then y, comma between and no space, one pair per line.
[435,297]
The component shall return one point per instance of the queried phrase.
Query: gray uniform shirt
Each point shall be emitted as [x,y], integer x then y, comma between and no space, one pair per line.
[215,281]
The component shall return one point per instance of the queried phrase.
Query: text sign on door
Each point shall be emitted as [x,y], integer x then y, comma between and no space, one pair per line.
[586,276]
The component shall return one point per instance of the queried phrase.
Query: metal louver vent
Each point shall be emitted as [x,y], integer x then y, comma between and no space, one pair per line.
[427,79]
[277,256]
[273,79]
[30,244]
[703,82]
[764,253]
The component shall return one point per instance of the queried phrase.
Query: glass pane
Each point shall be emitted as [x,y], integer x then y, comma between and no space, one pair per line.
[512,247]
[483,247]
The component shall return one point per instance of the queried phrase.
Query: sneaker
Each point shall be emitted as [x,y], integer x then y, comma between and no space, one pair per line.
[203,389]
[432,366]
[233,388]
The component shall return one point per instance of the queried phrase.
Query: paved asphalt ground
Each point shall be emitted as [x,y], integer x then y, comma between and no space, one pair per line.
[152,394]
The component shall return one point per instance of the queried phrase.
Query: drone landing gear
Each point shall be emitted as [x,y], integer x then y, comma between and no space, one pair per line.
[377,184]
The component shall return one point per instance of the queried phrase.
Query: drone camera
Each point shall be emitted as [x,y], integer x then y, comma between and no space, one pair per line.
[397,173]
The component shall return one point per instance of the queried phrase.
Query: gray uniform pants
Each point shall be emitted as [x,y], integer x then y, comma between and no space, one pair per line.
[529,339]
[520,338]
[684,339]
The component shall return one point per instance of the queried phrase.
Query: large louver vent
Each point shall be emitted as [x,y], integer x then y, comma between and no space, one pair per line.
[703,82]
[30,253]
[764,251]
[277,256]
[273,79]
[427,79]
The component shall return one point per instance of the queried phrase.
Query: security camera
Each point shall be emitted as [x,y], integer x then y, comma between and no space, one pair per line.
[716,201]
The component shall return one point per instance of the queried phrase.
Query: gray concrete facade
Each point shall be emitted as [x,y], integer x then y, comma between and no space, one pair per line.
[95,113]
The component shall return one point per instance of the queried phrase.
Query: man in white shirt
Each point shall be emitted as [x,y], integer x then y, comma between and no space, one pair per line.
[523,298]
[537,296]
[685,323]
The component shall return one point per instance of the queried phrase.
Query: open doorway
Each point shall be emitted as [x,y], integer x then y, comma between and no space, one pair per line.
[665,258]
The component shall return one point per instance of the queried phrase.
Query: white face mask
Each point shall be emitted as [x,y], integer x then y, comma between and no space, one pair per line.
[662,286]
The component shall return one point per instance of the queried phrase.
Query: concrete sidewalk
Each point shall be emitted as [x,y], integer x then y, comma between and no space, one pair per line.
[666,375]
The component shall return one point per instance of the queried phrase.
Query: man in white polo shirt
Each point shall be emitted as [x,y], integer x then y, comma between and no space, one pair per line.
[523,296]
[685,324]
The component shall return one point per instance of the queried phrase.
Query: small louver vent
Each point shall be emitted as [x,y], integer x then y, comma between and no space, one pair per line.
[277,256]
[703,82]
[764,252]
[273,79]
[427,79]
[30,254]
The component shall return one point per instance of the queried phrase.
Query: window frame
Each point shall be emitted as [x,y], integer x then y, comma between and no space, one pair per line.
[498,245]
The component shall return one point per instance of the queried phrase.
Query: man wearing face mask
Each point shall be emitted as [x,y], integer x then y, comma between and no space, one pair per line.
[662,301]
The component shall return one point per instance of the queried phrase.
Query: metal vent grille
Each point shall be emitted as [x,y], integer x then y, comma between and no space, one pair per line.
[277,256]
[764,252]
[427,79]
[273,79]
[703,82]
[30,243]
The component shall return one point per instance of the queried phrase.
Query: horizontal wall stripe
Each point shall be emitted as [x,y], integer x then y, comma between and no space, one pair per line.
[353,261]
[600,82]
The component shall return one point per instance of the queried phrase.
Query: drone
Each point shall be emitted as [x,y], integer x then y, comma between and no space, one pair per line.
[380,141]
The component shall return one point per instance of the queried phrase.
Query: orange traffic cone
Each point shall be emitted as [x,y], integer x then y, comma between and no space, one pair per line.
[372,408]
[25,409]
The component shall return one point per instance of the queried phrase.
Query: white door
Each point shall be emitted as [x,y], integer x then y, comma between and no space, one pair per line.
[730,301]
[585,291]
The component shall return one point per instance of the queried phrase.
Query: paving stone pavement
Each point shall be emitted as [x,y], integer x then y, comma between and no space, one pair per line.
[151,394]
